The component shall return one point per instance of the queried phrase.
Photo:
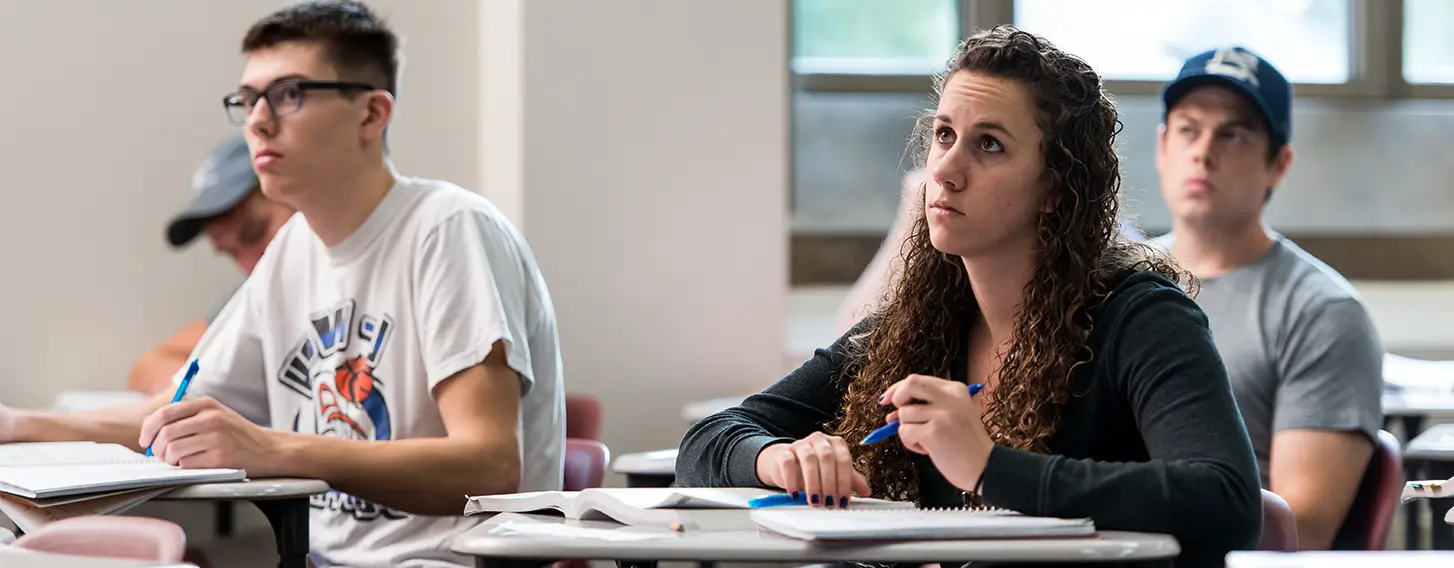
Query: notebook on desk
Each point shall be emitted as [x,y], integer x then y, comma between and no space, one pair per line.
[49,470]
[639,506]
[916,524]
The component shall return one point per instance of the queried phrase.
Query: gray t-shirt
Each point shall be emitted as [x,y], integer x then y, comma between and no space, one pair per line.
[1300,348]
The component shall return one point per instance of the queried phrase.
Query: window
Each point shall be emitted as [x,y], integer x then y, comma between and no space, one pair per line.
[873,37]
[1428,45]
[1148,40]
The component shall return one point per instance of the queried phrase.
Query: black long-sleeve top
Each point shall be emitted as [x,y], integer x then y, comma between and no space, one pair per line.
[1152,441]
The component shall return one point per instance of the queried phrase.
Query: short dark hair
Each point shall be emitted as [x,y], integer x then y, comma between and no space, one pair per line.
[358,44]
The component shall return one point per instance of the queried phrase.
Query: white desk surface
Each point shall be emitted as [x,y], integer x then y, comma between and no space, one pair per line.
[762,546]
[12,557]
[658,462]
[250,490]
[1437,443]
[1342,559]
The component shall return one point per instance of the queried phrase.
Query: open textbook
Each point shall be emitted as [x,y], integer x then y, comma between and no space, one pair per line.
[642,506]
[41,471]
[917,524]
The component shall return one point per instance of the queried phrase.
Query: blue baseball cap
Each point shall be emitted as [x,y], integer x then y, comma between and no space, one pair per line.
[218,185]
[1244,72]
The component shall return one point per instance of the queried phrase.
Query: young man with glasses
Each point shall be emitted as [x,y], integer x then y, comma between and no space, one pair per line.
[397,335]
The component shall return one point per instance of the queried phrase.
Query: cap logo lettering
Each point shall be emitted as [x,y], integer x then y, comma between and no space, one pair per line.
[1235,63]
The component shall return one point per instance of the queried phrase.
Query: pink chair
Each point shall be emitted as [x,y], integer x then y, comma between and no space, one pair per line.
[1279,528]
[585,463]
[108,536]
[582,417]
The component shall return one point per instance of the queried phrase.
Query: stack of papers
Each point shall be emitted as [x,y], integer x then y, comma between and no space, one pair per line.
[44,482]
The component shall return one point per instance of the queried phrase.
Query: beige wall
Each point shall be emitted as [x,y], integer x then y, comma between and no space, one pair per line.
[652,149]
[642,144]
[108,107]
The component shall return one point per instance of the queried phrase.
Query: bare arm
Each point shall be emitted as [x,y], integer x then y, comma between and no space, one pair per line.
[153,371]
[1318,473]
[118,425]
[428,476]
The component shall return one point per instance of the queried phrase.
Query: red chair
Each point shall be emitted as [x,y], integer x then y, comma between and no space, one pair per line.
[585,463]
[1279,528]
[1371,514]
[110,536]
[582,417]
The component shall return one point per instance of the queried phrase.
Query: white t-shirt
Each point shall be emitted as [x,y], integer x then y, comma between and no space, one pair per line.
[349,341]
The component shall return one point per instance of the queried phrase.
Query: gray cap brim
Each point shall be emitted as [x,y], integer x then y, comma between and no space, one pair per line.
[220,183]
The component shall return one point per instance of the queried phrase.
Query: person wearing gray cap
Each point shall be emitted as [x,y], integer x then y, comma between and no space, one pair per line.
[1304,358]
[227,206]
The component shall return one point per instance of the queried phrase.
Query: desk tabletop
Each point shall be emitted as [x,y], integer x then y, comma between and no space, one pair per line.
[12,557]
[510,535]
[1341,559]
[658,462]
[266,489]
[694,411]
[1436,443]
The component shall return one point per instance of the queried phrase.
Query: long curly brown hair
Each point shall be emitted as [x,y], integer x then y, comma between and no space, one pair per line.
[922,322]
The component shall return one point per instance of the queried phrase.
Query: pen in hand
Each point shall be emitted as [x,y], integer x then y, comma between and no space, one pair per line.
[181,389]
[892,428]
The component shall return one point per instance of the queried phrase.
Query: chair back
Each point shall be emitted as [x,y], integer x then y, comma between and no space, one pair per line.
[585,463]
[582,417]
[1279,528]
[110,536]
[1371,514]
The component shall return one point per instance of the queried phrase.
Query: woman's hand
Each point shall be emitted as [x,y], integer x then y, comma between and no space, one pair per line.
[941,419]
[819,466]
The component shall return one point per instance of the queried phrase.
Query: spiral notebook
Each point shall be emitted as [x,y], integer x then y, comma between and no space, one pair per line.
[640,506]
[916,524]
[58,469]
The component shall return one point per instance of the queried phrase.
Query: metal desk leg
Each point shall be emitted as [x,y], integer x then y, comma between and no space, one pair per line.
[223,516]
[1414,469]
[289,518]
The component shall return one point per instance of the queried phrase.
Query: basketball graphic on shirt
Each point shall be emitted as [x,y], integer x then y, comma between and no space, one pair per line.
[354,379]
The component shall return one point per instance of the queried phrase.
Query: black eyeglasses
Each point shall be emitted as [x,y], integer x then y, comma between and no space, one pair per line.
[284,97]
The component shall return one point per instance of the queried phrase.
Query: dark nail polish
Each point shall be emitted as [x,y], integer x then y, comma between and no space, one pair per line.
[842,502]
[795,495]
[828,502]
[815,498]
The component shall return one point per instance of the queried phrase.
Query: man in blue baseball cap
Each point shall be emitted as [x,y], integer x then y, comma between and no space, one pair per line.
[1303,355]
[227,206]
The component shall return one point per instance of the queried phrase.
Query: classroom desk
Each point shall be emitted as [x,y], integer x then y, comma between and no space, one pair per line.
[705,547]
[1429,455]
[694,411]
[283,501]
[1341,559]
[647,469]
[11,557]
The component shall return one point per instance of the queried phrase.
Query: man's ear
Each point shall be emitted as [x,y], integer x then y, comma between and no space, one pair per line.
[378,109]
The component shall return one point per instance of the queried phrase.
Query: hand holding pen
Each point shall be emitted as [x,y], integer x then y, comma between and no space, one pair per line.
[941,419]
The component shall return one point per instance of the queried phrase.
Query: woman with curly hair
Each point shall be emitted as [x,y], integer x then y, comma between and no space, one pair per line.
[1103,394]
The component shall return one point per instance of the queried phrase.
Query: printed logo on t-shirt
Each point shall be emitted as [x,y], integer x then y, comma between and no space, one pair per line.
[341,392]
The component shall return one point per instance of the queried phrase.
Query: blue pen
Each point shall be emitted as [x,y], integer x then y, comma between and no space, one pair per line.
[892,428]
[181,389]
[777,500]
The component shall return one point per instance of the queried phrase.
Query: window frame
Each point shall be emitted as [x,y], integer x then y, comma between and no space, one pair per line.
[1375,42]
